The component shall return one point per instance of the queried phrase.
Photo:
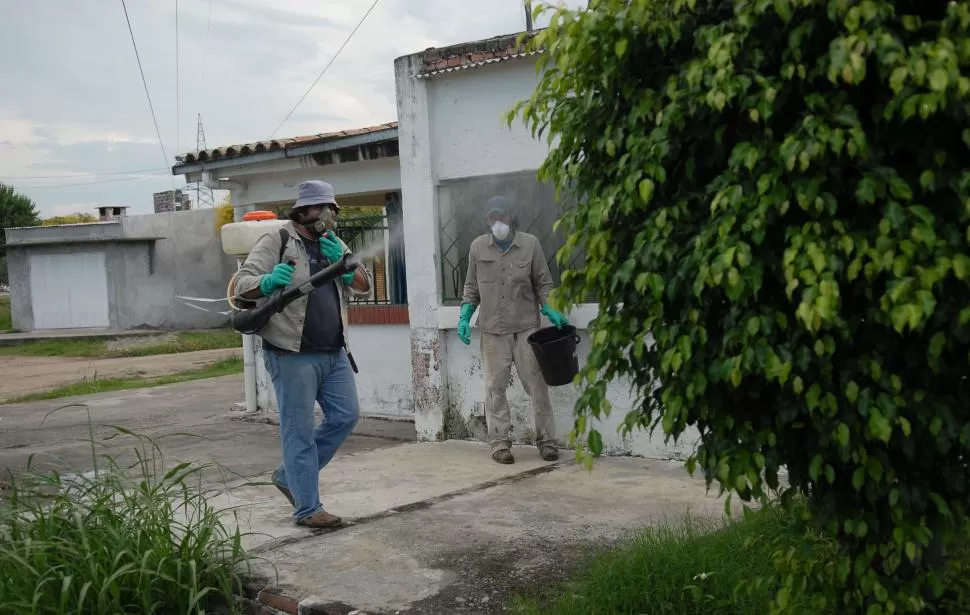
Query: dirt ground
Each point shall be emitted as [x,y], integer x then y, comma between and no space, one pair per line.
[25,375]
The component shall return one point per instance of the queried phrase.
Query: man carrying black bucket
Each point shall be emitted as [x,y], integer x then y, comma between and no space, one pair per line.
[508,277]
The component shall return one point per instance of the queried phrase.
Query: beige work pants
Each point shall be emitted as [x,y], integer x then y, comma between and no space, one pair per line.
[499,352]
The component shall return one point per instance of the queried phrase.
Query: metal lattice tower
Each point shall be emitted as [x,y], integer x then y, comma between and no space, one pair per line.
[203,194]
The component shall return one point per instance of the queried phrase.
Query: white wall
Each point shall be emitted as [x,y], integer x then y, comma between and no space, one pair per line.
[452,126]
[275,182]
[468,132]
[382,354]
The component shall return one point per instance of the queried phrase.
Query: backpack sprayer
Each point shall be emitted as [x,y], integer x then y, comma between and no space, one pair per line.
[249,321]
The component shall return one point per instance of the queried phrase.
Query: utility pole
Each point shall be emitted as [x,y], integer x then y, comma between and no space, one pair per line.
[203,194]
[528,15]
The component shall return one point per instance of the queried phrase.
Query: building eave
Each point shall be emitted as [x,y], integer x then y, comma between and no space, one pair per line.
[293,149]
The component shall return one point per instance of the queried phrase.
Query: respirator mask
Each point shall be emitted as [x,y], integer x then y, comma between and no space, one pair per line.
[500,230]
[323,223]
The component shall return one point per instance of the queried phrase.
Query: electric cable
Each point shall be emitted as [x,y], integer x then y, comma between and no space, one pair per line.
[334,57]
[144,82]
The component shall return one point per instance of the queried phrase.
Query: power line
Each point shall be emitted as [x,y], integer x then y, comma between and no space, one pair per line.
[105,181]
[144,82]
[83,175]
[312,85]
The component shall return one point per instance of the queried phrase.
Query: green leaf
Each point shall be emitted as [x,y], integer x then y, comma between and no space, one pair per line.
[595,442]
[620,47]
[852,391]
[939,80]
[784,10]
[646,190]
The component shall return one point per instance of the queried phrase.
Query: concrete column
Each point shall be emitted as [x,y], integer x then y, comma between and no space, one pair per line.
[428,349]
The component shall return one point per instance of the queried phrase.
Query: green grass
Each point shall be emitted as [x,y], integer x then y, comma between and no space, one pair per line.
[6,324]
[703,568]
[142,538]
[102,348]
[225,367]
[688,569]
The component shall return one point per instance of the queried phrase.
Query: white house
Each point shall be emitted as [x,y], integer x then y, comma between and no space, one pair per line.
[451,107]
[362,165]
[457,152]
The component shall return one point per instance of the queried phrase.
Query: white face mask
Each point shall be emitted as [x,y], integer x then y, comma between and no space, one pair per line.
[500,230]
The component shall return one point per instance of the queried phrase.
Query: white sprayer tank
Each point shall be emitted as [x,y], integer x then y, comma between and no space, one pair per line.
[238,238]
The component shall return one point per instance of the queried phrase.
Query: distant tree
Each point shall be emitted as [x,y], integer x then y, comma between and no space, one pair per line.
[15,210]
[69,219]
[224,213]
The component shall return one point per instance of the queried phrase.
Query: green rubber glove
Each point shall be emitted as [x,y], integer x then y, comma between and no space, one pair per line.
[465,323]
[558,320]
[280,277]
[331,248]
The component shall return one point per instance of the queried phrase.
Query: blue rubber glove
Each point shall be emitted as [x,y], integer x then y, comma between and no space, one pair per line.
[558,320]
[465,323]
[280,277]
[332,249]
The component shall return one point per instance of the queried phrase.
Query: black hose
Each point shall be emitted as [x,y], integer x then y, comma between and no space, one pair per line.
[252,320]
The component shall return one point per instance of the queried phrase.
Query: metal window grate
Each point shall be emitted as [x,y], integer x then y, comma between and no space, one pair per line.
[461,218]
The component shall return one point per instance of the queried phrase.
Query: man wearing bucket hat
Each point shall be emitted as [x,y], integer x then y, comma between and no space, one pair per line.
[305,347]
[509,279]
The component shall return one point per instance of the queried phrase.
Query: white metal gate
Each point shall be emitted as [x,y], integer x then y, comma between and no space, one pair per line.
[69,291]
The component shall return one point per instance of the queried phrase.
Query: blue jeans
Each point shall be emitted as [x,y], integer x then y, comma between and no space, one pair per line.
[300,379]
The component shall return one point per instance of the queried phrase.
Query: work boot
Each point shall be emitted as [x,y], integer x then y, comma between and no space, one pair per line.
[320,519]
[549,452]
[503,455]
[284,490]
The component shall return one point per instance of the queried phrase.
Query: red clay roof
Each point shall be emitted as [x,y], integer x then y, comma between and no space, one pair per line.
[248,149]
[469,55]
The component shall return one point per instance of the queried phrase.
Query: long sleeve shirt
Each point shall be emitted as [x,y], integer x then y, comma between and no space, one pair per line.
[509,287]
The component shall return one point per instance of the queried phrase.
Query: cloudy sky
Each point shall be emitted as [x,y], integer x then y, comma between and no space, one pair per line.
[75,127]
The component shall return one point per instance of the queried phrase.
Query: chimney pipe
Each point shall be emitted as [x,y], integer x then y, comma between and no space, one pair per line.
[528,16]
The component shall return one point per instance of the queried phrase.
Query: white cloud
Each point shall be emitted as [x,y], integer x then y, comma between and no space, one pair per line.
[80,108]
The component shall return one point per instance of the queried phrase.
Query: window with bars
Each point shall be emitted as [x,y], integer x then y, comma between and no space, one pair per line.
[461,218]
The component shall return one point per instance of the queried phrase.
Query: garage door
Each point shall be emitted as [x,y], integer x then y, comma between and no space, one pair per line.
[69,291]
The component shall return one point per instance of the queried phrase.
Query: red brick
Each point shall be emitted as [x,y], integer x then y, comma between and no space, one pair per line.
[378,315]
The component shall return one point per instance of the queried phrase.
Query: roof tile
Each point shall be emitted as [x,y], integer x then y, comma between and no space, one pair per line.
[247,149]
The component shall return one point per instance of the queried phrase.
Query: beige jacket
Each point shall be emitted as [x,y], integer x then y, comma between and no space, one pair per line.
[510,287]
[285,330]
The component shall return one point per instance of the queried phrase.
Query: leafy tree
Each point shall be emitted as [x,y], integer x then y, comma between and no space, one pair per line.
[69,219]
[224,213]
[775,213]
[15,210]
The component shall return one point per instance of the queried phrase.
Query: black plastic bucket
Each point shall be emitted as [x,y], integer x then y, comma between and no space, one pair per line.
[555,350]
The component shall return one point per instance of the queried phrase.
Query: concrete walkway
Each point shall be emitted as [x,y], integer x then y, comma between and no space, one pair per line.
[439,528]
[433,527]
[25,375]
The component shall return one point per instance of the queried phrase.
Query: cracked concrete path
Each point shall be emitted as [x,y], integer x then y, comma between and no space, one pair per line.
[437,527]
[24,375]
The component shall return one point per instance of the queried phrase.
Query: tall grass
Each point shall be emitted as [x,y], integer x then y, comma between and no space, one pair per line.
[121,538]
[700,567]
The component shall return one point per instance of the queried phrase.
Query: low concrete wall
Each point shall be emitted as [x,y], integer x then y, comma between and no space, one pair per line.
[148,259]
[466,411]
[383,356]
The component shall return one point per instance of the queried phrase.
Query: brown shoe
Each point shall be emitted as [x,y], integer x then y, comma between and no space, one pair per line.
[320,519]
[549,453]
[503,455]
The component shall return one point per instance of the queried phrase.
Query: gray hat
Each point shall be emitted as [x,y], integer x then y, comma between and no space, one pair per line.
[315,192]
[497,205]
